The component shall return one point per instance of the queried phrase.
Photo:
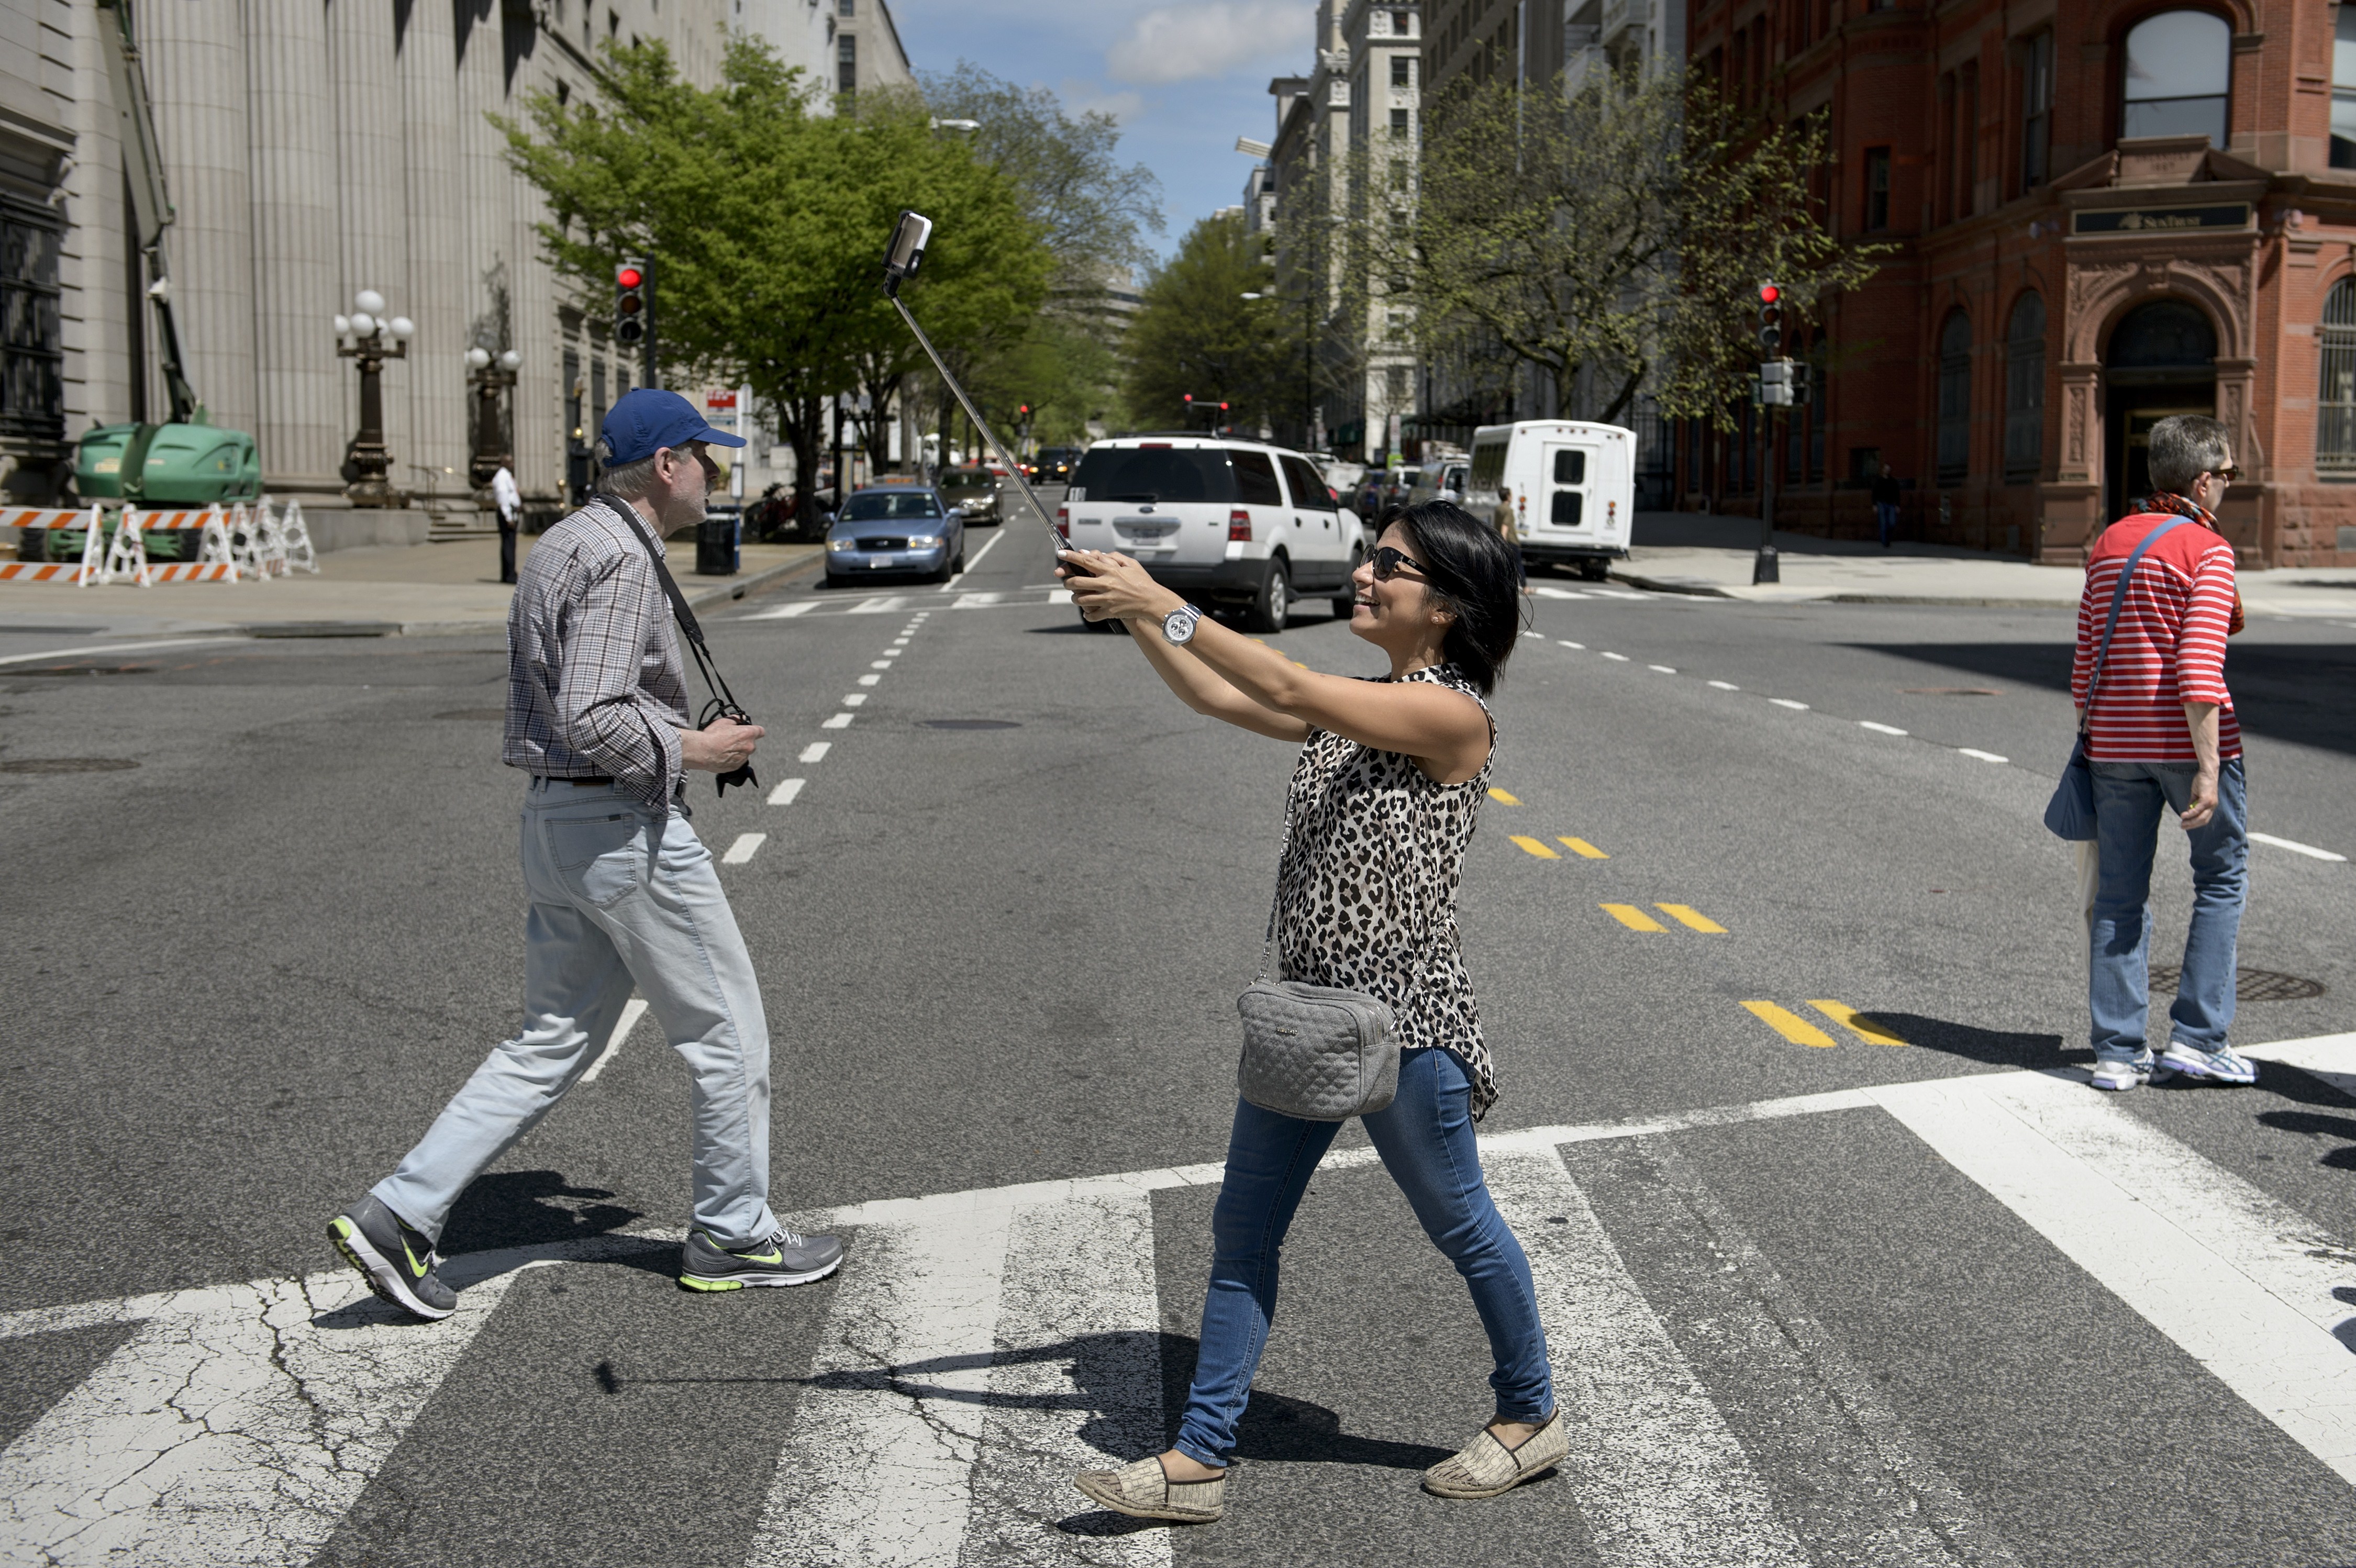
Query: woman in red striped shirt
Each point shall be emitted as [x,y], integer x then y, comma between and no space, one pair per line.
[2161,732]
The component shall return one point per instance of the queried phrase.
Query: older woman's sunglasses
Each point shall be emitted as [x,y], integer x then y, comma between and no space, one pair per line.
[1388,561]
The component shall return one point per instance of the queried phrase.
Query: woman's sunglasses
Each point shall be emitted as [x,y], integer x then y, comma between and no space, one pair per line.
[1388,561]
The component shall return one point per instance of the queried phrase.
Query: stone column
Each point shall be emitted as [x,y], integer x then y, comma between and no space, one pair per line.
[373,205]
[483,178]
[301,388]
[194,58]
[442,302]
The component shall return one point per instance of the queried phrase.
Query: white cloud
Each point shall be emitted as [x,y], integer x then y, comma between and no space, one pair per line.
[1209,37]
[1083,98]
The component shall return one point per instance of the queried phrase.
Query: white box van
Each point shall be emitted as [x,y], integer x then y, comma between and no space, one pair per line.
[1567,489]
[1224,521]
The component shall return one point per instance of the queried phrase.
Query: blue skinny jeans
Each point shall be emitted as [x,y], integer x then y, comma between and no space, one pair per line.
[1425,1139]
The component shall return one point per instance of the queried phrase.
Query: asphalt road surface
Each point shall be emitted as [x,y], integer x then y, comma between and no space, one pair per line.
[1841,1262]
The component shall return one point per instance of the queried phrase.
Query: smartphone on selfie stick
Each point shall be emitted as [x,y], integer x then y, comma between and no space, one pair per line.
[900,263]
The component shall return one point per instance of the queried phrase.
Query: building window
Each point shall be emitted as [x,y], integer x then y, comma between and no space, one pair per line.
[2024,390]
[2179,66]
[1402,70]
[846,7]
[2343,90]
[1402,23]
[846,63]
[1877,189]
[2335,407]
[2036,110]
[32,383]
[1399,125]
[1955,399]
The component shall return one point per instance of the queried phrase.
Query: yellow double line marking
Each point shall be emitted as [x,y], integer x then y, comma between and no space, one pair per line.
[1685,915]
[1539,847]
[1800,1032]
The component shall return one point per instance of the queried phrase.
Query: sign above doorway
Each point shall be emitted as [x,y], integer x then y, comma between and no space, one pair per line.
[2159,220]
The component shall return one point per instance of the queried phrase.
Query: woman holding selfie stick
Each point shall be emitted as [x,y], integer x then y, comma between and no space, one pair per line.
[1391,776]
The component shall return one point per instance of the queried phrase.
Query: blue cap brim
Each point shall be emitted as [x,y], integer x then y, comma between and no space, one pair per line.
[716,437]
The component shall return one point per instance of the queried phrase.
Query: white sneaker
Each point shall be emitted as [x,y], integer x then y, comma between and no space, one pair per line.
[2121,1073]
[2221,1066]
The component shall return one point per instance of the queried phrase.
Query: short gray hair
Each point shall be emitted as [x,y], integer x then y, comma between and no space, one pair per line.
[629,480]
[2183,447]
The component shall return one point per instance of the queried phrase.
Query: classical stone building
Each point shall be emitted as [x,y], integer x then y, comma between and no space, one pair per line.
[312,149]
[2103,211]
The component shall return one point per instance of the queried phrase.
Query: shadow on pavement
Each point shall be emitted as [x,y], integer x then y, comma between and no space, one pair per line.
[1995,1046]
[523,1209]
[2305,694]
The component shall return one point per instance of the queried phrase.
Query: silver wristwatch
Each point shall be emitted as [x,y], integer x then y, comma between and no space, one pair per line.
[1178,626]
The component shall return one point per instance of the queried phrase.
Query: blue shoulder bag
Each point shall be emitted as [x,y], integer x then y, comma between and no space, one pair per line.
[2071,813]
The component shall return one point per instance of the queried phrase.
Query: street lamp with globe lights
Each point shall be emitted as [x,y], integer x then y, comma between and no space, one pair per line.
[489,376]
[369,337]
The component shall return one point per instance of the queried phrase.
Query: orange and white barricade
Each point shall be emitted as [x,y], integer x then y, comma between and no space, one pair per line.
[295,538]
[44,519]
[200,521]
[240,543]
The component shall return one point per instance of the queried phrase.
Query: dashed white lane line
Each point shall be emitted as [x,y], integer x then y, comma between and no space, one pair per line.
[1060,596]
[1581,646]
[1542,591]
[1540,634]
[746,846]
[839,721]
[632,1011]
[1664,669]
[1617,657]
[1787,703]
[884,662]
[816,750]
[1726,685]
[2297,848]
[870,679]
[1879,728]
[1982,755]
[852,699]
[782,795]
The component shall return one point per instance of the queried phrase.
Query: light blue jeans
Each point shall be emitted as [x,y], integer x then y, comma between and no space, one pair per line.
[2127,800]
[1425,1138]
[620,894]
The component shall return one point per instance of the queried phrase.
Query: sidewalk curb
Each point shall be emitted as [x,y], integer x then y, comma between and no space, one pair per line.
[1670,585]
[1711,591]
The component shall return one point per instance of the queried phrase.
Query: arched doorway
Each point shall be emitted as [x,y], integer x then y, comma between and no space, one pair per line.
[2162,360]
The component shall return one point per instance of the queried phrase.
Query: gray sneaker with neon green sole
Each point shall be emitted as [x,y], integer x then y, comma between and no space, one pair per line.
[785,1259]
[397,1261]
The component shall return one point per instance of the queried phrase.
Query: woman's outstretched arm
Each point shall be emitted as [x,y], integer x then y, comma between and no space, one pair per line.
[1203,689]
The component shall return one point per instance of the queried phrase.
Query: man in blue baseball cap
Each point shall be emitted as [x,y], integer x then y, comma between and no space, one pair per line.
[623,892]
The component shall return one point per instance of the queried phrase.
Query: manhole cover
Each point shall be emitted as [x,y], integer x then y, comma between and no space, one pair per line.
[2249,985]
[473,714]
[88,669]
[1949,691]
[968,724]
[65,765]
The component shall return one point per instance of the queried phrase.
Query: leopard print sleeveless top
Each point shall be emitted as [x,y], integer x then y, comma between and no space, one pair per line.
[1366,891]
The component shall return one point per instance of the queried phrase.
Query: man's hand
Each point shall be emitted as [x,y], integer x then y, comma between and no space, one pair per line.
[727,746]
[2203,804]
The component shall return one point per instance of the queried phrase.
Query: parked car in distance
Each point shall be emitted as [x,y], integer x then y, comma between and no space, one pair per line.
[1054,465]
[899,527]
[1438,478]
[973,490]
[1567,489]
[1224,520]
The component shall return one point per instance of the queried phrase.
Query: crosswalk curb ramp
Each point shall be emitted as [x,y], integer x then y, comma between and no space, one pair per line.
[979,1347]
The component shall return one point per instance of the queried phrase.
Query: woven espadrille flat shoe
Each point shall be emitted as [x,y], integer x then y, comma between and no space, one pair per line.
[1487,1468]
[1144,1490]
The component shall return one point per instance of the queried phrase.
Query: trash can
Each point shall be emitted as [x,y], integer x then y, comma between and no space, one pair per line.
[716,545]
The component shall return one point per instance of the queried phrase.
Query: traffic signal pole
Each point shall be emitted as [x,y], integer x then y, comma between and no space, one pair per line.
[1765,567]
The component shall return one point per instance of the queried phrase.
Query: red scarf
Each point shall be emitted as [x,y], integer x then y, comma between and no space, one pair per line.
[2162,501]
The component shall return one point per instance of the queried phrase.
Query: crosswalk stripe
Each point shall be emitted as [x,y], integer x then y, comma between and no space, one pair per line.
[784,612]
[2332,1058]
[1076,1382]
[877,606]
[2241,1282]
[1658,1477]
[878,1465]
[240,1421]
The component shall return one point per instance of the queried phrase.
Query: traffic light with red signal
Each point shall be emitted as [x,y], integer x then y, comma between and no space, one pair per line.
[630,301]
[1771,321]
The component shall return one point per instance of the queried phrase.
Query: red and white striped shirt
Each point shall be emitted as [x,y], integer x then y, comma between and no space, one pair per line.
[2170,648]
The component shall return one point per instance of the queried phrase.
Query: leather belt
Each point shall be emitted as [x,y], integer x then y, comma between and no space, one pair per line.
[598,781]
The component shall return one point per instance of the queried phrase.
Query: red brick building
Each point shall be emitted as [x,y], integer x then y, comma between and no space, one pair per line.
[2105,211]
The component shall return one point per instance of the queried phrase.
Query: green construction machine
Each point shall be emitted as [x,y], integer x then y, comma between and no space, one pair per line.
[189,460]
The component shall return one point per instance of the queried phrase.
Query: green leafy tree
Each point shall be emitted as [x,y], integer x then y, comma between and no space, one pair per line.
[766,225]
[1619,236]
[1195,333]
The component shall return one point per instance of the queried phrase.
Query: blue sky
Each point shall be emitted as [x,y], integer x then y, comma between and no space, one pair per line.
[1183,78]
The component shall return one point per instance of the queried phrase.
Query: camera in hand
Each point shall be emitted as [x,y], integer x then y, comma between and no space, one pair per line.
[713,711]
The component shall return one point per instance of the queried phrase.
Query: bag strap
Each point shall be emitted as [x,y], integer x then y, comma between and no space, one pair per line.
[687,625]
[2118,597]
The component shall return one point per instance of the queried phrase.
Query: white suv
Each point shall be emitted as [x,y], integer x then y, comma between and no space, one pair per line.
[1222,520]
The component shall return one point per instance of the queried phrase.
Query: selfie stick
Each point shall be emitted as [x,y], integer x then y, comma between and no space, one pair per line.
[900,261]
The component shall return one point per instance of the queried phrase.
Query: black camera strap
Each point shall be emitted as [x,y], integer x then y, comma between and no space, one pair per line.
[724,703]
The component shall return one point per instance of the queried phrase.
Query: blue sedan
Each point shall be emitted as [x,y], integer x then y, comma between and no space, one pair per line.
[893,529]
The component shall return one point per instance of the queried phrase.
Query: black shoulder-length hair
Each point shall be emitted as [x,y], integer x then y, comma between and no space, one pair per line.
[1472,572]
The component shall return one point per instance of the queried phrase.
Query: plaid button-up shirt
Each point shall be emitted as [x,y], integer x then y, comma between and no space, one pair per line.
[595,683]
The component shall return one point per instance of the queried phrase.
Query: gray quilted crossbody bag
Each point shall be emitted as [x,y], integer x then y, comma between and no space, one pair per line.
[1321,1053]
